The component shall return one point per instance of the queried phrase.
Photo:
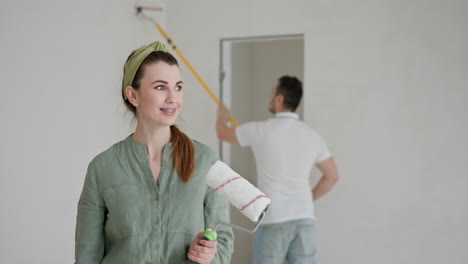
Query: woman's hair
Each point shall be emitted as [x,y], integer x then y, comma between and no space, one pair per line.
[183,151]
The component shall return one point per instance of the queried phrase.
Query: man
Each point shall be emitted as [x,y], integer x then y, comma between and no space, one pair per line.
[285,151]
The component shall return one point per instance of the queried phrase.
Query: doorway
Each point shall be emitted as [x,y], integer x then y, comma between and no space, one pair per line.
[249,68]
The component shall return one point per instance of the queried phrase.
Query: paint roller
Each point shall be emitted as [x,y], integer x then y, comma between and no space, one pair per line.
[249,200]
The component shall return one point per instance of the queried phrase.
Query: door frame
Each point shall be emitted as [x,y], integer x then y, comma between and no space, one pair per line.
[225,47]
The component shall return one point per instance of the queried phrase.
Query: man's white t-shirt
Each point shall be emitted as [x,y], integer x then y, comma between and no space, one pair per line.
[285,151]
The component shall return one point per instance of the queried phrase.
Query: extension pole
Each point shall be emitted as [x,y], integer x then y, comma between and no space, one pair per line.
[169,41]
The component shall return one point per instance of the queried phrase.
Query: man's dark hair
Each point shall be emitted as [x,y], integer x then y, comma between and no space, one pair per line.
[291,89]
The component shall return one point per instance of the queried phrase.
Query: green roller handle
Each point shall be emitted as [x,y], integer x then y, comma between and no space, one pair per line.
[210,235]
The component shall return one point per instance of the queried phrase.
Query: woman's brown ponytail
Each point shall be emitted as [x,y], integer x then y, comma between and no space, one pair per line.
[183,154]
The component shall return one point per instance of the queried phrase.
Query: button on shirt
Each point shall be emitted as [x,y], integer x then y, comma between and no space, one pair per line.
[125,217]
[285,151]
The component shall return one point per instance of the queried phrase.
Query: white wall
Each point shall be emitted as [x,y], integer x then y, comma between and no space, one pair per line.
[386,81]
[387,86]
[61,69]
[391,97]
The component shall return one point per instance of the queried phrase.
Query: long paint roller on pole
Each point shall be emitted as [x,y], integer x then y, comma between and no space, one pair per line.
[139,10]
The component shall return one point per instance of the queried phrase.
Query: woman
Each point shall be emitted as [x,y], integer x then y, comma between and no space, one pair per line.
[144,199]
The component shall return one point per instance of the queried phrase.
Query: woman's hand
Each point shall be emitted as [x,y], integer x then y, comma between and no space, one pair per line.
[202,251]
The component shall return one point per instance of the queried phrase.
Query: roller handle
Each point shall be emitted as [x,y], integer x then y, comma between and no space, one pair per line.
[210,235]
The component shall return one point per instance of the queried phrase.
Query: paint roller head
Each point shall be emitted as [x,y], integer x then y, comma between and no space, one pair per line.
[140,6]
[249,200]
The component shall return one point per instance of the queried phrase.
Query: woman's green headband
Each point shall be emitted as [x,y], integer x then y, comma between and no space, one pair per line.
[135,61]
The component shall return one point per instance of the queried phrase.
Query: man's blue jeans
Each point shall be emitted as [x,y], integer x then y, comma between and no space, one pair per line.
[292,240]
